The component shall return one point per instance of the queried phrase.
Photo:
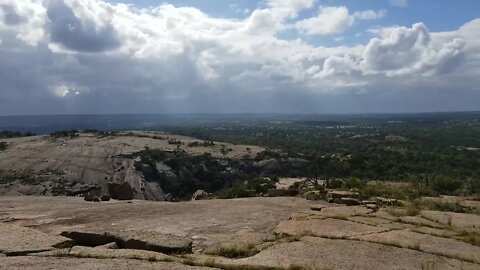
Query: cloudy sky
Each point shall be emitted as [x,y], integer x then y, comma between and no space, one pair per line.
[215,56]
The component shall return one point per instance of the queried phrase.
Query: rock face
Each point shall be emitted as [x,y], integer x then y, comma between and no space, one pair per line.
[200,195]
[349,201]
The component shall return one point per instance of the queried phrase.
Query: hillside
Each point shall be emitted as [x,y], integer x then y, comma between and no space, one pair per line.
[47,165]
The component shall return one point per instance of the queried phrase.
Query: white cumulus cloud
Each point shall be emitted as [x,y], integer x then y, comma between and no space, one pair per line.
[180,59]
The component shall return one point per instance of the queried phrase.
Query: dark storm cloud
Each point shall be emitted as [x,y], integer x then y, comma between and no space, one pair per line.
[76,34]
[91,57]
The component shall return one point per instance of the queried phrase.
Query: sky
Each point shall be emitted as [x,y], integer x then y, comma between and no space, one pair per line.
[238,56]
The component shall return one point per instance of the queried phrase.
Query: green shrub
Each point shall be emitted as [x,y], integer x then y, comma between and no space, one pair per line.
[65,133]
[238,190]
[354,183]
[3,146]
[236,251]
[260,184]
[445,185]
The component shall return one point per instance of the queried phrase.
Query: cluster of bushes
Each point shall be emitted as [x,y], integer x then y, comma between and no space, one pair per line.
[175,142]
[185,174]
[15,134]
[65,133]
[431,153]
[26,178]
[3,146]
[100,132]
[247,188]
[204,144]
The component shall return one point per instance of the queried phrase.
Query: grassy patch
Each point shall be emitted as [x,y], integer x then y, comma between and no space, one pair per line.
[412,208]
[470,237]
[445,206]
[236,251]
[213,264]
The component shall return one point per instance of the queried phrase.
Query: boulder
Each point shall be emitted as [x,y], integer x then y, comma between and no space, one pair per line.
[125,191]
[112,190]
[200,195]
[96,199]
[373,207]
[349,201]
[105,198]
[338,194]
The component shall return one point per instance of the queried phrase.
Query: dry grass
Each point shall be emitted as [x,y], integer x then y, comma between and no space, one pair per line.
[213,264]
[236,251]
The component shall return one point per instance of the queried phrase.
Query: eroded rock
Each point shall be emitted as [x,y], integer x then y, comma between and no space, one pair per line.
[168,244]
[200,195]
[89,239]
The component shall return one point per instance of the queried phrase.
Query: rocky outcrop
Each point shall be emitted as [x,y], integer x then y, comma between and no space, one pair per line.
[338,194]
[200,195]
[388,202]
[349,201]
